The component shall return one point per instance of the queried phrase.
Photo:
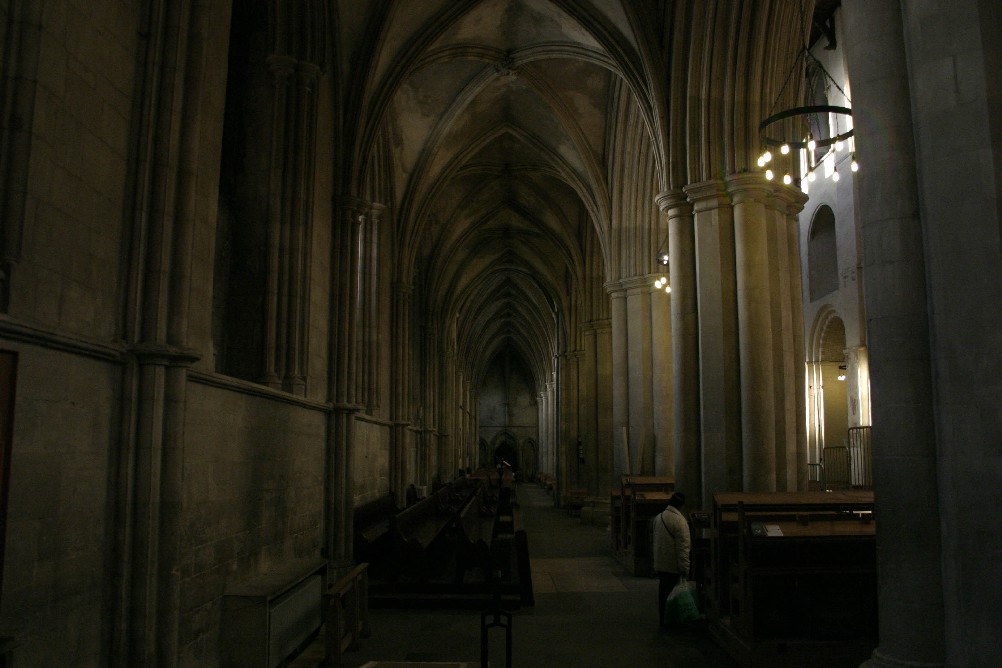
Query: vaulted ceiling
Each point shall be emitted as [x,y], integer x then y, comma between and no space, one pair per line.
[519,146]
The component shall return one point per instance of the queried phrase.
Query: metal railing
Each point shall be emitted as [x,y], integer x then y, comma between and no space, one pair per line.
[844,466]
[860,458]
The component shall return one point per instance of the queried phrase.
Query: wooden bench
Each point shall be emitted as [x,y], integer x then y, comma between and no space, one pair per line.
[346,614]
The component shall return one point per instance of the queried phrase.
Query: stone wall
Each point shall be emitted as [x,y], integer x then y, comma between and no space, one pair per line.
[253,496]
[60,524]
[371,462]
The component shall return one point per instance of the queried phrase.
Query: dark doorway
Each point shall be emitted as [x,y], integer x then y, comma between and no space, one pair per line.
[506,453]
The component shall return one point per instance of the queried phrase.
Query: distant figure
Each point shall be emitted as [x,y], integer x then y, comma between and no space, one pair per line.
[671,549]
[411,496]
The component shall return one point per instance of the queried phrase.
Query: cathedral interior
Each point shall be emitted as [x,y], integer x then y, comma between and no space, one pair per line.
[263,263]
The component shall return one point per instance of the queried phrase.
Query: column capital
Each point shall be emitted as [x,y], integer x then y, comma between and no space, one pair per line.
[309,72]
[624,287]
[161,354]
[749,187]
[281,67]
[791,200]
[376,210]
[636,284]
[673,203]
[707,195]
[616,289]
[352,204]
[604,324]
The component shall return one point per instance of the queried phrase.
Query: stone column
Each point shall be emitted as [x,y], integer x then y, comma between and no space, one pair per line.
[290,212]
[22,42]
[588,410]
[373,308]
[754,275]
[344,340]
[623,456]
[789,346]
[685,343]
[604,417]
[543,436]
[448,401]
[569,430]
[662,438]
[552,421]
[282,69]
[402,462]
[160,279]
[909,567]
[639,374]
[719,397]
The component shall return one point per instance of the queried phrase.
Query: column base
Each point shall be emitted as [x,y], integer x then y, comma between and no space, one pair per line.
[881,660]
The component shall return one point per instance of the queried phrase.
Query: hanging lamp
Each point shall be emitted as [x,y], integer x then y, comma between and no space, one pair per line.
[791,128]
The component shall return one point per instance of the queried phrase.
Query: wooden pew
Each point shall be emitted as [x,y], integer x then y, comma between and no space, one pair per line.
[346,614]
[572,499]
[644,506]
[636,513]
[791,572]
[474,533]
[628,486]
[372,522]
[417,532]
[546,481]
[616,519]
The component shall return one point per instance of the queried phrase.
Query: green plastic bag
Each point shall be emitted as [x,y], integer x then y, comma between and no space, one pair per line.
[681,604]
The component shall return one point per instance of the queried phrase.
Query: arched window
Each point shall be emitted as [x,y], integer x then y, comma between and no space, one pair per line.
[822,254]
[816,94]
[241,232]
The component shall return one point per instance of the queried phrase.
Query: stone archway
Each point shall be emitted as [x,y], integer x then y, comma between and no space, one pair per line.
[828,396]
[529,458]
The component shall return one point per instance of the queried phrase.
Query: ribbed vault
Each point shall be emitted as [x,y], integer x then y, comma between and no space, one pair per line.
[516,150]
[498,119]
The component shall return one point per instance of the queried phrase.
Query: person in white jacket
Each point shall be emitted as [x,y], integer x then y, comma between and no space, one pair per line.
[671,549]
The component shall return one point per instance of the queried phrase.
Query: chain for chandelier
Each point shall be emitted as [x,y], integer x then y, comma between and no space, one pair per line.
[805,113]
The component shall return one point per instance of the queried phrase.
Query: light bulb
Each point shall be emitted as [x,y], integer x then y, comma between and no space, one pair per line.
[838,145]
[664,258]
[854,166]
[761,161]
[784,149]
[668,289]
[835,176]
[811,144]
[787,179]
[767,156]
[811,176]
[768,175]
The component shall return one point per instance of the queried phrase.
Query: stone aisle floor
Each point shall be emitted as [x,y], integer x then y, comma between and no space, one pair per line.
[589,611]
